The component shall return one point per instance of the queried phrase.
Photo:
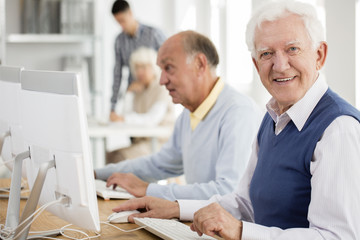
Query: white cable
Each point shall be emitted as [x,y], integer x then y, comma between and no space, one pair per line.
[9,231]
[44,237]
[5,162]
[63,229]
[123,230]
[5,231]
[74,230]
[35,215]
[40,210]
[62,232]
[4,190]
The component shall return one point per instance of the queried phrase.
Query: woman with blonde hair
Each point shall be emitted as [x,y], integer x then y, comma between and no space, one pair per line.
[147,103]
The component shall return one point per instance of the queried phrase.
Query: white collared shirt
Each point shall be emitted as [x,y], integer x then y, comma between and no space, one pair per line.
[300,111]
[334,210]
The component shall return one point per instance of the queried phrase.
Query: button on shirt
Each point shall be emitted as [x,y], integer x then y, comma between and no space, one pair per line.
[334,210]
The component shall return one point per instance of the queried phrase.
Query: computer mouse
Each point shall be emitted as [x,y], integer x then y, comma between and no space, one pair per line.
[121,217]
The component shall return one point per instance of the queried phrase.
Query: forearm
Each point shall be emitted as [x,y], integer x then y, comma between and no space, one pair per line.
[149,168]
[258,232]
[196,191]
[117,79]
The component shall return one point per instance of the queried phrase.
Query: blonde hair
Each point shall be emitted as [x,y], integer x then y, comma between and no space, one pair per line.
[144,55]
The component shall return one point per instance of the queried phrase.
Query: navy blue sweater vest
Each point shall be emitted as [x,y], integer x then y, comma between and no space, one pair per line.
[280,189]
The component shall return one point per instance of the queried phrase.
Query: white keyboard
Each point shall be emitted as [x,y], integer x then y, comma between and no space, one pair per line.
[169,229]
[108,193]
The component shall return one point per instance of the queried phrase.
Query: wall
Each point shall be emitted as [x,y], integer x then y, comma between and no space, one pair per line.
[340,68]
[174,15]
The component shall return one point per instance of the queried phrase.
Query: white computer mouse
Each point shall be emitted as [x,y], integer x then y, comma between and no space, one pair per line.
[121,217]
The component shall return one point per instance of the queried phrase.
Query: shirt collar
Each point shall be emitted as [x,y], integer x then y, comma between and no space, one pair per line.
[209,102]
[301,110]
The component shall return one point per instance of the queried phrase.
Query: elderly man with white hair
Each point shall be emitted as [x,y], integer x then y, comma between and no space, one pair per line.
[303,177]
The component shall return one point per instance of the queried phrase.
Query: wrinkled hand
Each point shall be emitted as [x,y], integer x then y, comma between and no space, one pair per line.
[129,182]
[215,220]
[115,118]
[153,207]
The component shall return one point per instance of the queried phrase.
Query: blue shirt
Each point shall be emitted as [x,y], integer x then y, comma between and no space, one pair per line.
[212,158]
[125,44]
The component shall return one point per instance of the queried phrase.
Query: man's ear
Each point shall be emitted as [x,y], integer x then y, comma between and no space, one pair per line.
[201,63]
[322,53]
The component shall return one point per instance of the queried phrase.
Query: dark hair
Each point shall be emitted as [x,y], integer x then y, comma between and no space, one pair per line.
[120,6]
[194,42]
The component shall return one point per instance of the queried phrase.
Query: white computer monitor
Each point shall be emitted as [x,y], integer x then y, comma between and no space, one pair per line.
[55,130]
[10,127]
[12,148]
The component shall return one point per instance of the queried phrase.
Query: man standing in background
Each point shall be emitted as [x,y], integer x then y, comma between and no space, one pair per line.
[133,36]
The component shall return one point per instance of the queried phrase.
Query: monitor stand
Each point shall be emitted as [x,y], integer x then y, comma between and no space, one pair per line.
[33,200]
[13,210]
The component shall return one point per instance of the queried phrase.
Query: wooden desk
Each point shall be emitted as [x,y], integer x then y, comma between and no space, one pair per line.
[47,221]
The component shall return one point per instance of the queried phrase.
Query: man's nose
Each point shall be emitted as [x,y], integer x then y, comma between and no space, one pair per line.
[280,62]
[163,78]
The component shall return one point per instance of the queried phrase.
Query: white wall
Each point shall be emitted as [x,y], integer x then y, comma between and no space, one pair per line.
[174,15]
[340,68]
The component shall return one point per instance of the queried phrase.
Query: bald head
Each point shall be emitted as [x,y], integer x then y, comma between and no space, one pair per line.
[193,43]
[188,62]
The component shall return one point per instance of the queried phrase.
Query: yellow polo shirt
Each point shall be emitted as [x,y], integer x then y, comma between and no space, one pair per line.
[199,114]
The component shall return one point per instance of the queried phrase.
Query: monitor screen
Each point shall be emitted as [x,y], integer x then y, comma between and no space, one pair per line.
[55,128]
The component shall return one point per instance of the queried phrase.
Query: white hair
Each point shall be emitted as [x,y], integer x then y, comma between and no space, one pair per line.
[144,55]
[273,10]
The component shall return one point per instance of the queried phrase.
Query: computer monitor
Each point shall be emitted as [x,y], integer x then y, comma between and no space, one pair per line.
[10,127]
[12,148]
[55,130]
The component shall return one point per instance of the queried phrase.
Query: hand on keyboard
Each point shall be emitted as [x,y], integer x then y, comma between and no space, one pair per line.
[169,229]
[130,182]
[155,207]
[109,193]
[214,219]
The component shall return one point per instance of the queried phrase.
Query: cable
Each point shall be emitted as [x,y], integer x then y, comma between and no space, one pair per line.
[37,213]
[123,230]
[5,162]
[9,234]
[5,231]
[79,231]
[62,230]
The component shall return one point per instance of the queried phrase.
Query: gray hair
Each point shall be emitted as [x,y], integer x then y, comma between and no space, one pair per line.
[194,43]
[273,10]
[144,55]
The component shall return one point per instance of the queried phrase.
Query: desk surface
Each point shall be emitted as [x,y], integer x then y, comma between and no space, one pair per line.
[47,221]
[121,129]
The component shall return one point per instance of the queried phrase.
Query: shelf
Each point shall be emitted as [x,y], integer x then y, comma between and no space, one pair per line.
[48,38]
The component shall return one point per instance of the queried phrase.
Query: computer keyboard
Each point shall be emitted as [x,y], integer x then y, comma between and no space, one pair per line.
[169,229]
[108,193]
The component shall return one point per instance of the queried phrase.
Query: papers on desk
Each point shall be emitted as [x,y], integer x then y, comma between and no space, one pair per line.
[108,193]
